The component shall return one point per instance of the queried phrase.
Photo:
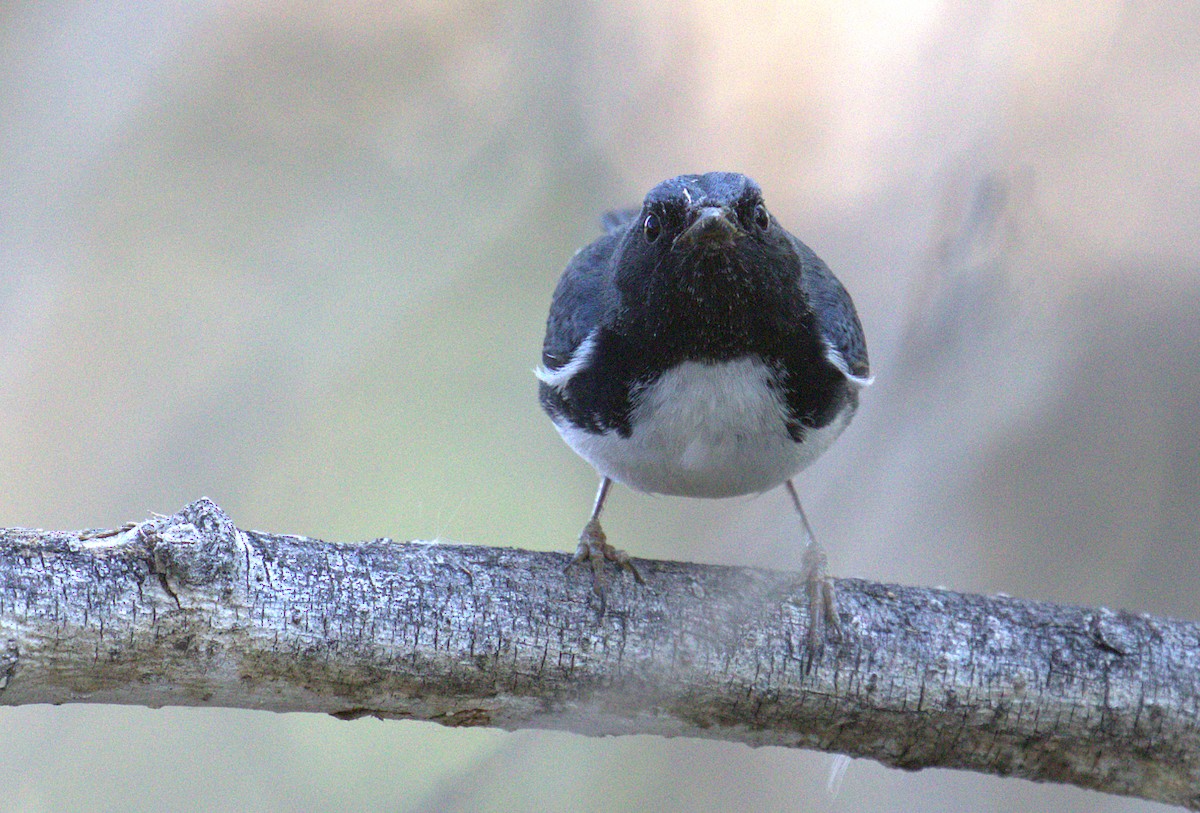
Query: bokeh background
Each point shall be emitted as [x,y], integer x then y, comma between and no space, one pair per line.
[298,258]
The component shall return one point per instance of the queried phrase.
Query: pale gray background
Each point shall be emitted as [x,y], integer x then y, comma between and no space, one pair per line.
[299,261]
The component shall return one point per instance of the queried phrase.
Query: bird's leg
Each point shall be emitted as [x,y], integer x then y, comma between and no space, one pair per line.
[594,547]
[822,600]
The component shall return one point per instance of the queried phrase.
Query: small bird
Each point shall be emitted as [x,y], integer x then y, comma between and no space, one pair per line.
[698,349]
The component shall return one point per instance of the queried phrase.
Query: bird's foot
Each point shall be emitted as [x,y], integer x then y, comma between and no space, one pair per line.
[822,603]
[594,548]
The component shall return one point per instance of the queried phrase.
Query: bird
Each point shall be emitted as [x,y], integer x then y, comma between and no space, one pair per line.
[697,348]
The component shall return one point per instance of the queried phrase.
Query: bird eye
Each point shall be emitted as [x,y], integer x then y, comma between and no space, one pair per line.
[652,228]
[761,218]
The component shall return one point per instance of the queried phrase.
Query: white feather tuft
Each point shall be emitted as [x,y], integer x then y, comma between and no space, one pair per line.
[579,359]
[834,356]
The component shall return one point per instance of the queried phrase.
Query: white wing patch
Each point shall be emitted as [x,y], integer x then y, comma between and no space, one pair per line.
[579,359]
[834,357]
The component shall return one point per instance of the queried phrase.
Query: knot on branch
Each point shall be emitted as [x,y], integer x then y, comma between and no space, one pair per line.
[198,546]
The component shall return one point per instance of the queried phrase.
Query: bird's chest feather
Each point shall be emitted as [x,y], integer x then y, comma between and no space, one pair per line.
[705,429]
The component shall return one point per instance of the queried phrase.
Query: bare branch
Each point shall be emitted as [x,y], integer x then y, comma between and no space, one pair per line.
[188,610]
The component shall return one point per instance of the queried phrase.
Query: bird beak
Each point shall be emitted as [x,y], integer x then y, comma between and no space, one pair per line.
[714,228]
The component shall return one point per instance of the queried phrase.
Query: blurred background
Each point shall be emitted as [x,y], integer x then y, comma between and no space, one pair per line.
[298,259]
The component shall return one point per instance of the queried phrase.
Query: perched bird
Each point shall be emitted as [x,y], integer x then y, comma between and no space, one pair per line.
[697,348]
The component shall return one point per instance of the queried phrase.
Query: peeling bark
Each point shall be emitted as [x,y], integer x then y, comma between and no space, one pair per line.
[189,610]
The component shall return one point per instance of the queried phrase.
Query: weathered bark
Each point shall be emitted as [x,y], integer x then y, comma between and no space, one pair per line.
[188,610]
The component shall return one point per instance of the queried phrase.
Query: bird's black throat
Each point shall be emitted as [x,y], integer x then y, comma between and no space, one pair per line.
[709,307]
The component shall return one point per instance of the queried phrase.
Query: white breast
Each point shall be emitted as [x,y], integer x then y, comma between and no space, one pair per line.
[705,430]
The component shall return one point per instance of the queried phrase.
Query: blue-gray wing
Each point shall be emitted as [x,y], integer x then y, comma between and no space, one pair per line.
[578,387]
[583,294]
[837,319]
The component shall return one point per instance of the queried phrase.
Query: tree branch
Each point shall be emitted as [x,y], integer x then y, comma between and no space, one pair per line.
[188,610]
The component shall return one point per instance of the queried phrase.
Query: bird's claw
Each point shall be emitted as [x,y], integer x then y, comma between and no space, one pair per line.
[594,548]
[822,603]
